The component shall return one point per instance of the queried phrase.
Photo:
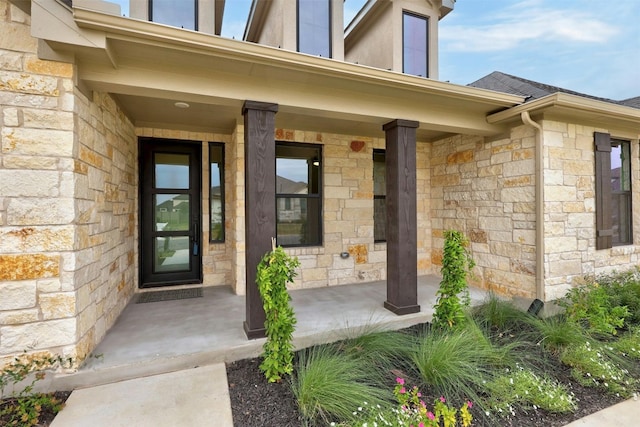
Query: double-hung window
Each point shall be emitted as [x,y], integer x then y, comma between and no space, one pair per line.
[379,197]
[415,44]
[216,192]
[177,13]
[613,192]
[298,194]
[314,27]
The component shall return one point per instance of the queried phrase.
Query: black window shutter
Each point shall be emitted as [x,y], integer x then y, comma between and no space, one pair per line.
[604,230]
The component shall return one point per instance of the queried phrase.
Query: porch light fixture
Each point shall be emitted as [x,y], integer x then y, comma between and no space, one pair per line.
[181,104]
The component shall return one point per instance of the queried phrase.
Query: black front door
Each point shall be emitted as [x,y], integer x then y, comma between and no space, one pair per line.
[170,252]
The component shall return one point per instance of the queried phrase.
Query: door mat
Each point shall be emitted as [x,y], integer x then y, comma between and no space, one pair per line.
[170,295]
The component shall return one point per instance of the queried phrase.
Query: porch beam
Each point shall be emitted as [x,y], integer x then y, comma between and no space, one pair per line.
[260,202]
[401,232]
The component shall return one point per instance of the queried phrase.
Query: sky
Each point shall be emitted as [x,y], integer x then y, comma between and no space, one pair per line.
[589,46]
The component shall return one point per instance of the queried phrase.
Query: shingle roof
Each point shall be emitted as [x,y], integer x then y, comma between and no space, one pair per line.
[501,82]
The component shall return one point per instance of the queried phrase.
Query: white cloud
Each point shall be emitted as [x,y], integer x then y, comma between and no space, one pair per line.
[525,22]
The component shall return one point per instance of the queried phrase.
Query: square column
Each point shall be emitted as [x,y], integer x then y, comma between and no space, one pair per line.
[260,202]
[402,246]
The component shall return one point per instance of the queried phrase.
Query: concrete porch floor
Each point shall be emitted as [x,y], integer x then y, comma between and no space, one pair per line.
[160,337]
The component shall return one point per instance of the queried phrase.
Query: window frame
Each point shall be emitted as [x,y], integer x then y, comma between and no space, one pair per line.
[329,29]
[604,193]
[406,14]
[378,152]
[195,15]
[316,196]
[221,167]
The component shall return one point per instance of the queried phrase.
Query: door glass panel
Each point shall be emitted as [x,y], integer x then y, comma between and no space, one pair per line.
[172,171]
[171,254]
[172,212]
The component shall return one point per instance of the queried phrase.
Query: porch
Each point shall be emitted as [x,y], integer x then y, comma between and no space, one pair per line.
[159,337]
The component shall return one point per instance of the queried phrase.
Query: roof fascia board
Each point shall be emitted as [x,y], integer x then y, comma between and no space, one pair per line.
[206,44]
[580,104]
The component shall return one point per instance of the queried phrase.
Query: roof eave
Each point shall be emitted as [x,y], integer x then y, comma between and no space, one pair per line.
[559,103]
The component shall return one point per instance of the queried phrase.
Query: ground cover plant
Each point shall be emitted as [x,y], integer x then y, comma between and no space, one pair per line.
[532,371]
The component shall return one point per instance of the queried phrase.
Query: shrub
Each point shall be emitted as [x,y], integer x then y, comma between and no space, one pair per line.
[23,408]
[329,384]
[275,270]
[623,289]
[555,333]
[500,316]
[590,305]
[453,294]
[629,343]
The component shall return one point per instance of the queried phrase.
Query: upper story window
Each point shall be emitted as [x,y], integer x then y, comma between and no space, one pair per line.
[415,44]
[613,191]
[177,13]
[216,192]
[379,197]
[314,27]
[298,194]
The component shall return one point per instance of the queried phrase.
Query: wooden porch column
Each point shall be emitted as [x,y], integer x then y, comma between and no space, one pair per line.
[260,202]
[402,247]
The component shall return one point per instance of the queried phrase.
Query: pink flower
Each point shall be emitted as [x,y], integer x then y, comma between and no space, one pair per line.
[431,416]
[470,404]
[424,405]
[442,399]
[402,390]
[421,424]
[400,381]
[419,394]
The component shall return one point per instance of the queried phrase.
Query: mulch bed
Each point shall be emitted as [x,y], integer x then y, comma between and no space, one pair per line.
[46,416]
[255,402]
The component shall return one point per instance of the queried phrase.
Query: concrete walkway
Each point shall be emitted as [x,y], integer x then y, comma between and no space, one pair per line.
[162,364]
[193,397]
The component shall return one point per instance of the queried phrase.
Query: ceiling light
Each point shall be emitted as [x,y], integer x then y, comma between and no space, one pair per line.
[181,104]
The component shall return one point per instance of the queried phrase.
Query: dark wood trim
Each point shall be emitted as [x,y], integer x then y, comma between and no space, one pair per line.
[260,202]
[604,230]
[402,246]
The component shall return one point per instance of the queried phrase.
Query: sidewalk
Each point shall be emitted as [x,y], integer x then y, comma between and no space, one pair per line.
[194,397]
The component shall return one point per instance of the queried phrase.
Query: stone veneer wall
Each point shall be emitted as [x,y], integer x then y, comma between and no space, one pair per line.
[67,203]
[348,212]
[486,189]
[569,211]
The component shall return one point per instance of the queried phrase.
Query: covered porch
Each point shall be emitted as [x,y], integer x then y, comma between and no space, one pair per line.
[166,336]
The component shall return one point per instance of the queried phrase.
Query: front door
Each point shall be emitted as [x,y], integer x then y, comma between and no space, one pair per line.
[170,197]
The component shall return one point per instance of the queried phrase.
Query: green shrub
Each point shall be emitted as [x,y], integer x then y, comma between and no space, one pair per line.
[275,270]
[591,306]
[329,384]
[623,289]
[23,407]
[500,316]
[453,294]
[628,344]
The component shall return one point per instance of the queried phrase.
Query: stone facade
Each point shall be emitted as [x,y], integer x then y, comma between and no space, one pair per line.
[569,208]
[67,203]
[486,189]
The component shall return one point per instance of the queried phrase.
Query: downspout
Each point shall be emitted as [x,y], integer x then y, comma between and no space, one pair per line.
[539,182]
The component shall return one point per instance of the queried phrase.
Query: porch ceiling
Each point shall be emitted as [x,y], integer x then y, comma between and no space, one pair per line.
[148,67]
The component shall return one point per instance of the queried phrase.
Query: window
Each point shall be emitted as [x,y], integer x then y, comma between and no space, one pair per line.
[613,192]
[298,194]
[216,192]
[314,27]
[177,13]
[379,197]
[414,45]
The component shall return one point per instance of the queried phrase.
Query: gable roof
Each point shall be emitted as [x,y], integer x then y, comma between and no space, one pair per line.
[531,90]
